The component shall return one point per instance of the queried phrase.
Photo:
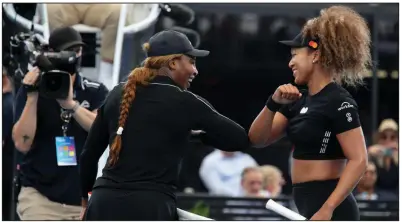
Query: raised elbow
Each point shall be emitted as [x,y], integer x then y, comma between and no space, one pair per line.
[255,141]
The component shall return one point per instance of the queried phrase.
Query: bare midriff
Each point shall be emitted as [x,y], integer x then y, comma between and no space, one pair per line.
[316,170]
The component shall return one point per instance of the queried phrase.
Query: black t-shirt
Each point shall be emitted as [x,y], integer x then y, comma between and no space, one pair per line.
[314,122]
[155,136]
[39,168]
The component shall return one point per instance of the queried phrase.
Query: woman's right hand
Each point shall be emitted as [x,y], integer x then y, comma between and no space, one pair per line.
[286,94]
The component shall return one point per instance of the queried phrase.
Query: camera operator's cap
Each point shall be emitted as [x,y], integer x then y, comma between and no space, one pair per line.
[300,42]
[170,42]
[64,38]
[388,124]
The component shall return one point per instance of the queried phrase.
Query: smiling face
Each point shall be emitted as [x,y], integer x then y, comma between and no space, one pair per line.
[302,64]
[183,70]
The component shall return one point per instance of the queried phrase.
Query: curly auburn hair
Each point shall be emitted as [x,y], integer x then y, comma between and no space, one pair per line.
[141,76]
[344,43]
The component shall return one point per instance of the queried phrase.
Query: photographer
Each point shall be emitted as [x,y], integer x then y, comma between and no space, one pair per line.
[50,133]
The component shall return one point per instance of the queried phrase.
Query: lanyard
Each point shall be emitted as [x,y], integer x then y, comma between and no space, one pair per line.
[66,118]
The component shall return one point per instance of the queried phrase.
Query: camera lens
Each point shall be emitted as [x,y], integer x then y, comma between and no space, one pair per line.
[54,82]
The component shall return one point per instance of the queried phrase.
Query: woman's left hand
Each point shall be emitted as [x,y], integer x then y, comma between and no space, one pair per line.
[323,214]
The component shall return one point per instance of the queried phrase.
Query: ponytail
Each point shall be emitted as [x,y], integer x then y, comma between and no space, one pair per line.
[139,75]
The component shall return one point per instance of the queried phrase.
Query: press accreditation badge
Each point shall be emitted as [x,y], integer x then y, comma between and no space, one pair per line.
[65,151]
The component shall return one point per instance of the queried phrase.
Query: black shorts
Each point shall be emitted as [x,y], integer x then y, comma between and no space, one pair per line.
[117,204]
[310,196]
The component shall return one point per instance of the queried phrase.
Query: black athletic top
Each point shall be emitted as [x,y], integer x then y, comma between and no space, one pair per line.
[314,122]
[154,138]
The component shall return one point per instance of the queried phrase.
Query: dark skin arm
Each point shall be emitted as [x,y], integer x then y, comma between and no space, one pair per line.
[269,126]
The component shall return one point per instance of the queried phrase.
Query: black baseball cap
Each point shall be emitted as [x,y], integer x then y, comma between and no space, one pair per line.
[300,42]
[170,42]
[64,38]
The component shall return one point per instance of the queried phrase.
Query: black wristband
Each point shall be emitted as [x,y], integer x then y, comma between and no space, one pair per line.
[272,105]
[30,88]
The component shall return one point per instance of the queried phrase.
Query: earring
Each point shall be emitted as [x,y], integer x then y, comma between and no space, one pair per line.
[314,61]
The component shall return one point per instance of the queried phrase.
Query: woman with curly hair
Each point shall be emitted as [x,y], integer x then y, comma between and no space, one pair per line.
[323,124]
[157,115]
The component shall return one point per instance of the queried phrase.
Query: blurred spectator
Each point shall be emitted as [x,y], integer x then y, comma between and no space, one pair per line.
[103,16]
[251,182]
[8,148]
[385,153]
[272,181]
[366,188]
[221,171]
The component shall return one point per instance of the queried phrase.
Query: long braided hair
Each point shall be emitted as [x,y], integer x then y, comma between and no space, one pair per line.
[139,76]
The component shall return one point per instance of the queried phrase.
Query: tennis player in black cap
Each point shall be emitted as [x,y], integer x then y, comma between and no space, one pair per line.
[330,152]
[147,121]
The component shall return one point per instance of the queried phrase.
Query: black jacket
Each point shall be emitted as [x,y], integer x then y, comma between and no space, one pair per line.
[155,137]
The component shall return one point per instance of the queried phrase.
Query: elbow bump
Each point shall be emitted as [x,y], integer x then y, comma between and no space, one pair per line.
[262,143]
[259,141]
[253,140]
[258,144]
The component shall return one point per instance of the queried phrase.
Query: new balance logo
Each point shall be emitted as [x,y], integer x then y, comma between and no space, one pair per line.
[345,105]
[325,141]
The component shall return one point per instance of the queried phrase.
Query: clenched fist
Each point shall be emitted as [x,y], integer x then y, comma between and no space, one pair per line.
[286,94]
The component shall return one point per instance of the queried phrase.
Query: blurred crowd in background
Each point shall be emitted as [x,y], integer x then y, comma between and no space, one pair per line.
[246,65]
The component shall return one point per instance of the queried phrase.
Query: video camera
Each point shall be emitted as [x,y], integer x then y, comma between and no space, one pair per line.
[55,67]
